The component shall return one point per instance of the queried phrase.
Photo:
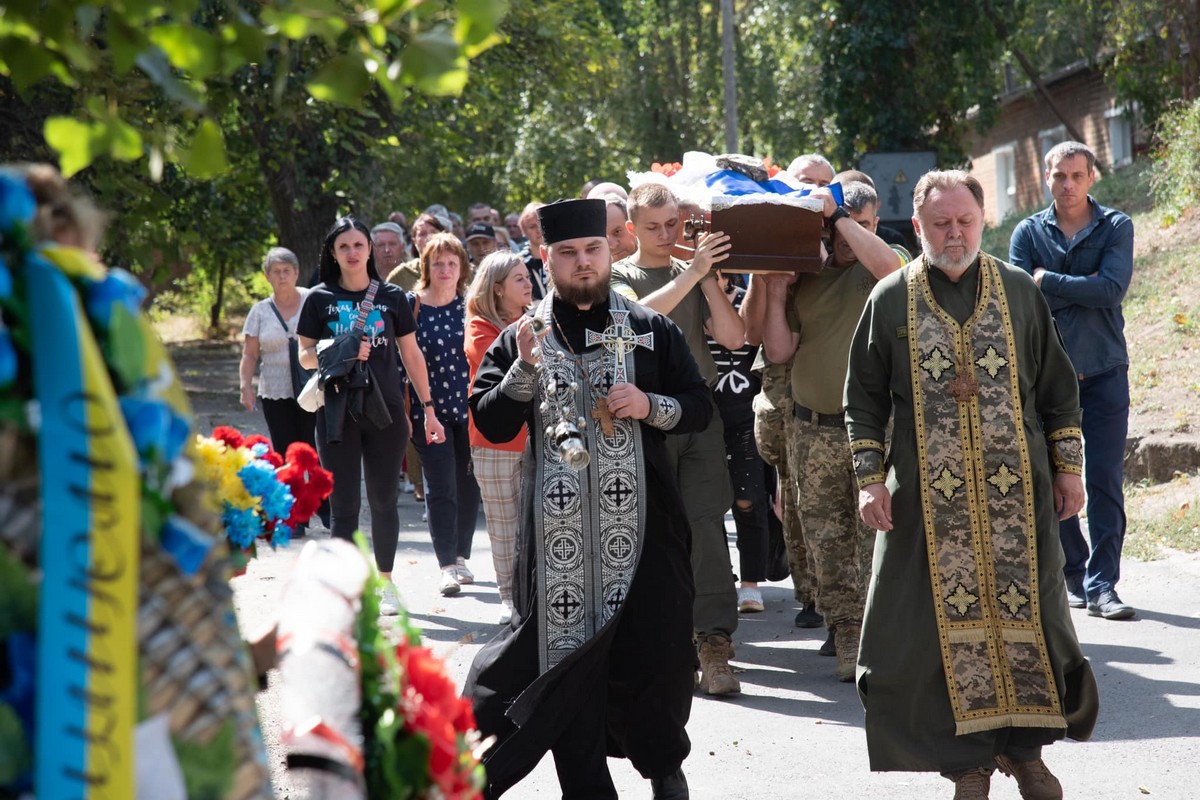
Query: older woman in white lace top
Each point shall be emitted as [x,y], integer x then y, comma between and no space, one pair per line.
[269,326]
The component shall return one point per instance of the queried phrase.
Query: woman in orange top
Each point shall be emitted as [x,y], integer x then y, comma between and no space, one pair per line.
[499,294]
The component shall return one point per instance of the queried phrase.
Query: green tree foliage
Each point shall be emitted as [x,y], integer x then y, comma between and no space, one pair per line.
[189,51]
[1149,50]
[250,119]
[902,74]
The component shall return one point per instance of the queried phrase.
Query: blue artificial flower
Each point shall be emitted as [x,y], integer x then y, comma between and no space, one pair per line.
[6,281]
[118,286]
[158,432]
[242,526]
[260,449]
[260,481]
[281,535]
[8,359]
[186,543]
[17,205]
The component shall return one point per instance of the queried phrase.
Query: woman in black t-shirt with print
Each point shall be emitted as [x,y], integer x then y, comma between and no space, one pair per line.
[366,450]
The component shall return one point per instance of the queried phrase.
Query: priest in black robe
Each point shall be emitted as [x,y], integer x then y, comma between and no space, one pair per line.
[598,659]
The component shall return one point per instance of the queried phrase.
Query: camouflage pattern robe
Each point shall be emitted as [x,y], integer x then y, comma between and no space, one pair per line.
[902,681]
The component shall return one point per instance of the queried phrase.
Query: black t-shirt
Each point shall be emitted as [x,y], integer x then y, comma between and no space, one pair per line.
[330,310]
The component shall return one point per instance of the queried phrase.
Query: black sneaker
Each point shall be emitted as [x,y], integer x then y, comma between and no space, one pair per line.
[808,617]
[1109,606]
[1075,596]
[829,648]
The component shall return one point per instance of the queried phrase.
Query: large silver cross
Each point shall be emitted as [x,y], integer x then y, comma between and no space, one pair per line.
[620,340]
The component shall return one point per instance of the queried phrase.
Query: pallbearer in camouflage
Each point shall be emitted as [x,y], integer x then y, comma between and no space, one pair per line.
[809,324]
[968,658]
[772,417]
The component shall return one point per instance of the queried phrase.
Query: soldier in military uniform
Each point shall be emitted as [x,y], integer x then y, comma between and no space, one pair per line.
[809,324]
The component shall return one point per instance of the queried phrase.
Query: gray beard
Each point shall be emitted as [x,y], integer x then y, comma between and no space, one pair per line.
[584,297]
[950,266]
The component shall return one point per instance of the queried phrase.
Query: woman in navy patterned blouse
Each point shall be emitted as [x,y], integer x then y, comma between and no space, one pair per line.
[451,494]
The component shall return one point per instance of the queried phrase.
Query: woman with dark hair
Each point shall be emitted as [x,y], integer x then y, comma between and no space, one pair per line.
[351,290]
[499,294]
[269,326]
[451,494]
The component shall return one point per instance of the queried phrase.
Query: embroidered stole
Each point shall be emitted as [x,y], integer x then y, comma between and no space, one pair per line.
[978,508]
[589,523]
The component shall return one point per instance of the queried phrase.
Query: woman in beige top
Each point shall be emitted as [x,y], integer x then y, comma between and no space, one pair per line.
[269,326]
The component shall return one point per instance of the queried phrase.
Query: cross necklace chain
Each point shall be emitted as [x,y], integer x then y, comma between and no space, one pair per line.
[600,411]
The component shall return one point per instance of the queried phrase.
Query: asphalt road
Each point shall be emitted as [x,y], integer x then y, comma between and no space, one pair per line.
[795,732]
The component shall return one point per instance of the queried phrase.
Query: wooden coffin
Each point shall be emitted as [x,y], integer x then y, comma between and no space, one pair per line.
[767,237]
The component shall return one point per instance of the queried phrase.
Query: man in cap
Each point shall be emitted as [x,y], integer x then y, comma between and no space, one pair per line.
[598,658]
[481,240]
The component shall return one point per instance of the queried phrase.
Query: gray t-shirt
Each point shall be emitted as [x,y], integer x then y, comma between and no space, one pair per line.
[635,282]
[275,377]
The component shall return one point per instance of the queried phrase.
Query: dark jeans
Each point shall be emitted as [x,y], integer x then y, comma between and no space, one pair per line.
[1105,402]
[374,454]
[749,475]
[451,494]
[287,422]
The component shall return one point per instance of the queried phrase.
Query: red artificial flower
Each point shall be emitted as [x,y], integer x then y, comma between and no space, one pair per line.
[310,484]
[433,709]
[232,437]
[271,457]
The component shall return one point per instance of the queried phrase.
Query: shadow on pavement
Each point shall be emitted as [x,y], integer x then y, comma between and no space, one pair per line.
[1133,706]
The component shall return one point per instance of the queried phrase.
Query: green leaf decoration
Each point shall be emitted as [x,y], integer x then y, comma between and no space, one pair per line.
[124,43]
[15,756]
[293,26]
[125,143]
[30,63]
[206,156]
[343,80]
[190,49]
[18,598]
[477,23]
[208,768]
[77,143]
[434,63]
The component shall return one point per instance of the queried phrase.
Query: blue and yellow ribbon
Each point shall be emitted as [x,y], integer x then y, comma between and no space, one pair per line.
[87,623]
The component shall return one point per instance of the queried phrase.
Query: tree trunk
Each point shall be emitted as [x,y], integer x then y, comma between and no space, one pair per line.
[214,311]
[302,211]
[1031,71]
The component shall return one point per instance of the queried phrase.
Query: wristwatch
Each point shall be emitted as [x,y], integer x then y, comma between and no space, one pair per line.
[427,404]
[839,213]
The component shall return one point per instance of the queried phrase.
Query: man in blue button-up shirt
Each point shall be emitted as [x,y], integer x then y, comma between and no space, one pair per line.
[1081,255]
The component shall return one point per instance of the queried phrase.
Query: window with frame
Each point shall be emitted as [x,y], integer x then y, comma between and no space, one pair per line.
[1120,136]
[1046,140]
[1004,160]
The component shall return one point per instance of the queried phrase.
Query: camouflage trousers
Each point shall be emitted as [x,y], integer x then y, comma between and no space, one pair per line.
[839,544]
[771,433]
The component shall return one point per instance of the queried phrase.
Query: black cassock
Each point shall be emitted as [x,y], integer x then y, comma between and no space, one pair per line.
[599,653]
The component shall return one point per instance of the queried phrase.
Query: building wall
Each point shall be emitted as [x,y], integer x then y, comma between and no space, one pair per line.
[1086,102]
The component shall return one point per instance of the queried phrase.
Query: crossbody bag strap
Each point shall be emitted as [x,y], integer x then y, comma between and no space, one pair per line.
[366,306]
[279,317]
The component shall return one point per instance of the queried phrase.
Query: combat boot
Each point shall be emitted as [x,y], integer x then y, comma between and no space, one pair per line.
[1034,779]
[716,676]
[845,639]
[971,784]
